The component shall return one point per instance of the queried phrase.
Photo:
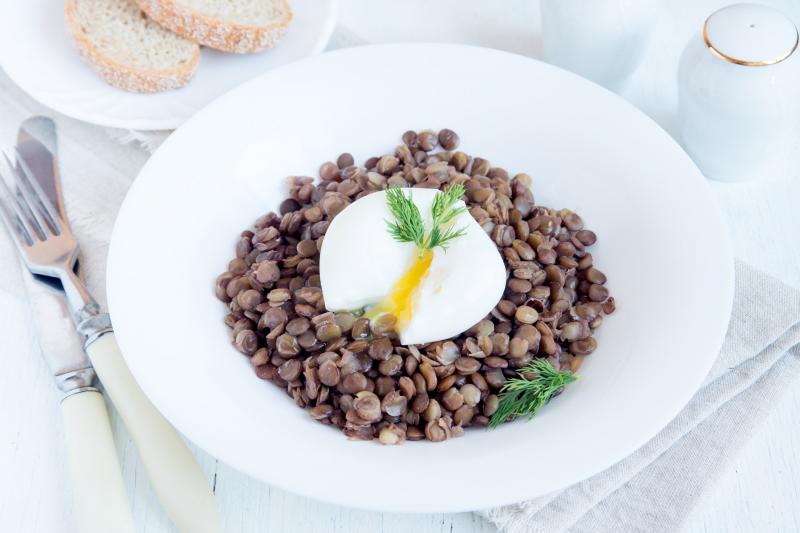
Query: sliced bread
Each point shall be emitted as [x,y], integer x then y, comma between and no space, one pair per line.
[239,26]
[129,50]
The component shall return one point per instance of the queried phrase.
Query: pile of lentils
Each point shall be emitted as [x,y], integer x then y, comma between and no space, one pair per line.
[354,374]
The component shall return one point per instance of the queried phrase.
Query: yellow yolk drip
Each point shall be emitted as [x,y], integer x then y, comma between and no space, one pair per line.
[400,301]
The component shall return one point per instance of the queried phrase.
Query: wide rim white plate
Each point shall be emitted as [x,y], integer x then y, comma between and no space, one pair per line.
[37,53]
[662,243]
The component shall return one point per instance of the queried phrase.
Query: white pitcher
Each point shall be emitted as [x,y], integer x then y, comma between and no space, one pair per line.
[603,40]
[738,92]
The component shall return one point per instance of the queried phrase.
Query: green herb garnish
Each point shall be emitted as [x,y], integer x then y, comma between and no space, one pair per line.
[409,227]
[536,385]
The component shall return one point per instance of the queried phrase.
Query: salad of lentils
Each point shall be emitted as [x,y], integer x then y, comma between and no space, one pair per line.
[352,373]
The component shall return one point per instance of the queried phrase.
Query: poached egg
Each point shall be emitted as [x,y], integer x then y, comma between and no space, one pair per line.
[435,295]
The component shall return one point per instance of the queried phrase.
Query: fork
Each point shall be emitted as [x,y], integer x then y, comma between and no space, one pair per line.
[48,247]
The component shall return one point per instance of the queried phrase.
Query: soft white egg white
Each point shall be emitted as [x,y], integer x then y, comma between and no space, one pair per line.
[360,263]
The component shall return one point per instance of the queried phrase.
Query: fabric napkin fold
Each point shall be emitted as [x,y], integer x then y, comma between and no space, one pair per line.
[655,489]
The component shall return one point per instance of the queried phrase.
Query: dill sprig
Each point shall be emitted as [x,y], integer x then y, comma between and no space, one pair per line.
[442,213]
[537,383]
[409,227]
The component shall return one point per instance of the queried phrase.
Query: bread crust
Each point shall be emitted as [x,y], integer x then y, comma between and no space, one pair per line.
[126,77]
[225,36]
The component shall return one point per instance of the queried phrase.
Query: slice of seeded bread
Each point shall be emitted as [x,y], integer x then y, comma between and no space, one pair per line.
[127,49]
[239,26]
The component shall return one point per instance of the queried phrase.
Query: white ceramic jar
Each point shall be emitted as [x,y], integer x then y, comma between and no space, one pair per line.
[603,40]
[738,92]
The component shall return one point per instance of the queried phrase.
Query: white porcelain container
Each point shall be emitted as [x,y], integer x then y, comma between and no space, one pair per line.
[738,92]
[603,40]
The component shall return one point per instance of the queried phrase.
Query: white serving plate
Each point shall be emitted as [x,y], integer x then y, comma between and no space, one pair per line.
[662,243]
[37,52]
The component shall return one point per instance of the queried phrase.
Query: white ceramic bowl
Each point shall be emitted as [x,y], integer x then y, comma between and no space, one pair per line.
[662,243]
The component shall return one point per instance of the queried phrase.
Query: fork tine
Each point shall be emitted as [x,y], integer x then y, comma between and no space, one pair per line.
[26,201]
[47,210]
[14,218]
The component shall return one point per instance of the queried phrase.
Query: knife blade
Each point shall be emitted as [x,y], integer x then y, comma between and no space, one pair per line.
[61,345]
[38,146]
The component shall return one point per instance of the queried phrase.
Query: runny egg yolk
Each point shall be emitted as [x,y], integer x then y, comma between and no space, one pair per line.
[400,301]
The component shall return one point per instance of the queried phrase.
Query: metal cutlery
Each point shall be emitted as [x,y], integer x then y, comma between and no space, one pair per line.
[32,209]
[101,502]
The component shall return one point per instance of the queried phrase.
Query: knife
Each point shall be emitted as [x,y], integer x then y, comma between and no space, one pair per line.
[100,500]
[175,475]
[101,503]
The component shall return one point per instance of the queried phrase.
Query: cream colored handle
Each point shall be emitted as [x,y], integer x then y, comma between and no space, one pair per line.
[101,503]
[175,475]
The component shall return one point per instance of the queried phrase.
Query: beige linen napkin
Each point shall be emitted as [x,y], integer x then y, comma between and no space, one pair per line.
[655,489]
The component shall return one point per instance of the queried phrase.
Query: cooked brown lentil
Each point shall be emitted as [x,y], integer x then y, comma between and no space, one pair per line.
[351,372]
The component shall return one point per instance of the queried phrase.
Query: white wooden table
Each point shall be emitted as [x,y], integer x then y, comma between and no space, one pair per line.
[761,492]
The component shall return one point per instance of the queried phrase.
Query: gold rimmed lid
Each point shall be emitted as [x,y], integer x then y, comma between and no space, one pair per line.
[750,35]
